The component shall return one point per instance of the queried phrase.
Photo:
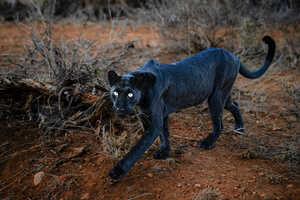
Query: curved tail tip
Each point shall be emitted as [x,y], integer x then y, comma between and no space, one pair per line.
[267,39]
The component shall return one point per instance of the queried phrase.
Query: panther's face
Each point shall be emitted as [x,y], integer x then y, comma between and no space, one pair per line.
[127,90]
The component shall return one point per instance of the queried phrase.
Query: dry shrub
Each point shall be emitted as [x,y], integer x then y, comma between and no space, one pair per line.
[286,152]
[73,73]
[190,26]
[290,53]
[292,91]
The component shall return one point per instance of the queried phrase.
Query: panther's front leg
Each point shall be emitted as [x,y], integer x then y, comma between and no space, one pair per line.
[147,139]
[164,150]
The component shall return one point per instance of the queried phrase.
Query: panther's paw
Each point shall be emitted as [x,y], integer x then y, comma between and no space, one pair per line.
[116,172]
[207,144]
[239,127]
[161,154]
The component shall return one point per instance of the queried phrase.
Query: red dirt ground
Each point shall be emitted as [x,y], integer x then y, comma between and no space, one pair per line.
[237,168]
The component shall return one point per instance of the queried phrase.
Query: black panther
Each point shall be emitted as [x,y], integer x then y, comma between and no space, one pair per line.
[160,89]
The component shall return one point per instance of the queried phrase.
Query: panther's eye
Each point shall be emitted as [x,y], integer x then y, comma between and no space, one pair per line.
[130,95]
[116,93]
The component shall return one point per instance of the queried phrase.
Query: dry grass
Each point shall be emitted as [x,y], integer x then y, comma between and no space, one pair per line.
[120,136]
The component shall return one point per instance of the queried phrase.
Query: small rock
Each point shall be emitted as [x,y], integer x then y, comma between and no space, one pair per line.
[179,185]
[150,175]
[37,179]
[290,186]
[261,174]
[85,196]
[197,185]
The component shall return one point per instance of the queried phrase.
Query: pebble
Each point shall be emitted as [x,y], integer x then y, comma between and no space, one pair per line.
[37,179]
[289,186]
[179,185]
[197,185]
[261,174]
[150,175]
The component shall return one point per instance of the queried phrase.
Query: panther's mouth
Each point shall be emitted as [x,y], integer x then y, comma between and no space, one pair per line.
[125,114]
[122,115]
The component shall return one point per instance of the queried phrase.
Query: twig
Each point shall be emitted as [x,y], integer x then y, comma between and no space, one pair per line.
[75,155]
[9,184]
[186,138]
[139,196]
[238,131]
[8,55]
[4,144]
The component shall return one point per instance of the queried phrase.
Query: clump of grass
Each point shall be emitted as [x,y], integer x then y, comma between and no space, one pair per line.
[291,53]
[292,91]
[118,136]
[116,143]
[287,152]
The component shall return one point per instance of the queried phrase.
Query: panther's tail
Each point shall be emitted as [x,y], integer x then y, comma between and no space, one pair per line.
[271,51]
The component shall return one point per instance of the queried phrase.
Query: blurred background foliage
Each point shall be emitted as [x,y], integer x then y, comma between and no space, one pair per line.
[93,10]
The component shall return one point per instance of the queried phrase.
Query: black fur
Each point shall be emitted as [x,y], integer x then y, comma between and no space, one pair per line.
[160,89]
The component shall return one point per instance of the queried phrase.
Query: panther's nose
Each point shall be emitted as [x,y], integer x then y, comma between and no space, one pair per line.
[120,109]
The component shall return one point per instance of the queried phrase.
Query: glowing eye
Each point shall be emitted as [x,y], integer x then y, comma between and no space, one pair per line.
[130,95]
[116,93]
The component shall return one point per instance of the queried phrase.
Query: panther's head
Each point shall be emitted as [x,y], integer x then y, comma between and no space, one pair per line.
[127,90]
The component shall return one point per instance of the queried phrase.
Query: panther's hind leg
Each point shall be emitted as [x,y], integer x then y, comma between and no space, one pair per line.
[215,104]
[233,107]
[164,151]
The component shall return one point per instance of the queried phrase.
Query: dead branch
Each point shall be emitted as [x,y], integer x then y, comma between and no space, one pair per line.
[70,106]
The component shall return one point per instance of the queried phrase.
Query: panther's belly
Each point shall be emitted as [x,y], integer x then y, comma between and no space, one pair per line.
[187,94]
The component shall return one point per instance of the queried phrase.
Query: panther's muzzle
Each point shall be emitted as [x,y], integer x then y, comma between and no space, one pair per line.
[123,113]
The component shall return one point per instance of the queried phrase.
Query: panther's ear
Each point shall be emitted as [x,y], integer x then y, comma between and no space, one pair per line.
[143,80]
[113,77]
